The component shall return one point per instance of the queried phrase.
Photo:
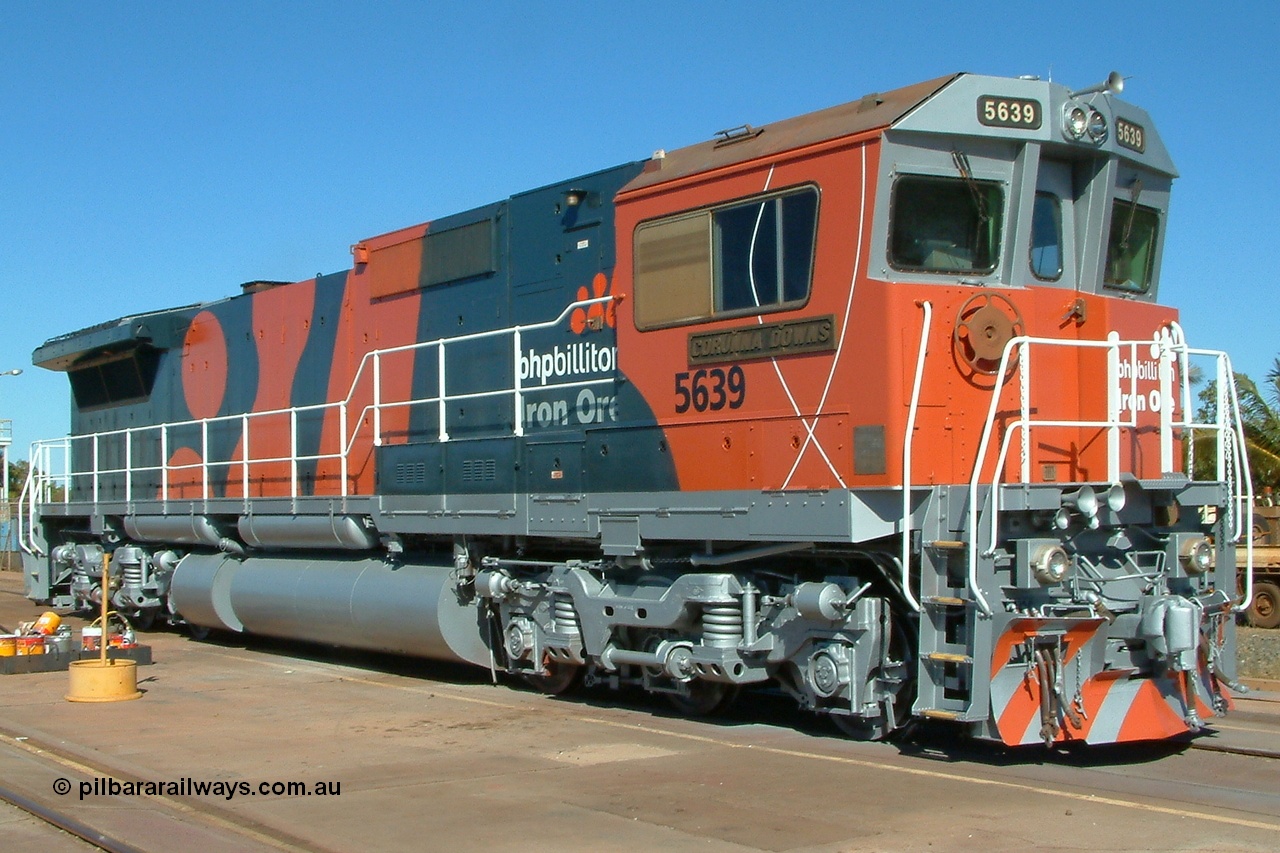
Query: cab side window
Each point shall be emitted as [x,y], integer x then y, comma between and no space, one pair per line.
[748,257]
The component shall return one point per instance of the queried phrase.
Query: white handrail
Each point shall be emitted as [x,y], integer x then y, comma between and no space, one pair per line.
[908,441]
[1168,346]
[39,478]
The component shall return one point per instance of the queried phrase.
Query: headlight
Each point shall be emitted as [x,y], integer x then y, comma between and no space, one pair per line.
[1197,555]
[1049,564]
[1076,122]
[1097,127]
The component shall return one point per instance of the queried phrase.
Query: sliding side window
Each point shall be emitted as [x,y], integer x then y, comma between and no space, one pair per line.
[745,258]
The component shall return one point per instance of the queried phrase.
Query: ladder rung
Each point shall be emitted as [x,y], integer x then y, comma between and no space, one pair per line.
[940,714]
[948,657]
[945,601]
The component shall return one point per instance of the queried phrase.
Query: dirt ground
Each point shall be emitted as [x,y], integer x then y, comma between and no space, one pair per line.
[1258,652]
[430,756]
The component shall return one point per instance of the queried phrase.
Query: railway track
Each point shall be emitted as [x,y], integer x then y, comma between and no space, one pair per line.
[154,822]
[65,822]
[1253,729]
[200,822]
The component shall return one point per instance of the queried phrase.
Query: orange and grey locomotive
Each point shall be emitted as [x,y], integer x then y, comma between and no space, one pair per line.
[875,406]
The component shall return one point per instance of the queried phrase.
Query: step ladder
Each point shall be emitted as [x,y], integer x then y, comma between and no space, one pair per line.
[955,642]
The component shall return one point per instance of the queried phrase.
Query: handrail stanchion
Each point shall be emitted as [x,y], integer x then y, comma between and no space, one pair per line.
[377,401]
[164,468]
[1113,407]
[1164,371]
[204,461]
[1024,401]
[342,450]
[293,457]
[128,466]
[441,387]
[1222,403]
[244,460]
[95,469]
[518,402]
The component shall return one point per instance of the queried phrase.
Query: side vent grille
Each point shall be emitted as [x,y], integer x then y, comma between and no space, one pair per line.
[479,470]
[411,473]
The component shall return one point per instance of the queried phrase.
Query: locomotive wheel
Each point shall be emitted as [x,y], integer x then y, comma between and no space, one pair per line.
[143,620]
[560,679]
[199,633]
[859,728]
[1264,612]
[704,699]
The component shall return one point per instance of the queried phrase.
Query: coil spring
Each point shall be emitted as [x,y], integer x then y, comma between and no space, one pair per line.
[563,616]
[722,624]
[133,574]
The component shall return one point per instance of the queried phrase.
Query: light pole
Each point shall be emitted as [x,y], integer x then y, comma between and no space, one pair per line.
[6,438]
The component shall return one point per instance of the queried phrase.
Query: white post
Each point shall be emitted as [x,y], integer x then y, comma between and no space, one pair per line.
[164,466]
[519,397]
[444,432]
[1166,403]
[342,443]
[204,459]
[377,403]
[1024,389]
[1113,408]
[128,466]
[1222,419]
[293,455]
[244,459]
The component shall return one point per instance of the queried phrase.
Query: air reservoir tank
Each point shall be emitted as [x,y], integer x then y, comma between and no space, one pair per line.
[361,603]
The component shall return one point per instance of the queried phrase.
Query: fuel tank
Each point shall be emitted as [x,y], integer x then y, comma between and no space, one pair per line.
[404,608]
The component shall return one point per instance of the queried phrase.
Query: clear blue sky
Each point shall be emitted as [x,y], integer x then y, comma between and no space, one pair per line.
[155,154]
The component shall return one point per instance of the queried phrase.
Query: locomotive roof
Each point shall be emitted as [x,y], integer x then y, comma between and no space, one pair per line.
[162,329]
[918,107]
[876,110]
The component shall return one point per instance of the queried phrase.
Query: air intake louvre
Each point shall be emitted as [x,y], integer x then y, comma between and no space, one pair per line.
[479,470]
[411,473]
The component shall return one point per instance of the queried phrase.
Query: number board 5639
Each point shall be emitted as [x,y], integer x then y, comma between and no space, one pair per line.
[999,111]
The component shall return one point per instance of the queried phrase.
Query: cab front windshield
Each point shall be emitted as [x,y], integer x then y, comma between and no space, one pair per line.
[945,224]
[1131,246]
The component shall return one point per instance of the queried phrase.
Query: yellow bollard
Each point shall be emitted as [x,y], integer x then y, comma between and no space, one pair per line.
[93,681]
[103,680]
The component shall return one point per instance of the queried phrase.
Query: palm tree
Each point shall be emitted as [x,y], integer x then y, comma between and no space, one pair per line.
[1260,417]
[1260,414]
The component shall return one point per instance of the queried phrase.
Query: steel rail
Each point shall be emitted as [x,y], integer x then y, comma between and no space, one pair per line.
[66,823]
